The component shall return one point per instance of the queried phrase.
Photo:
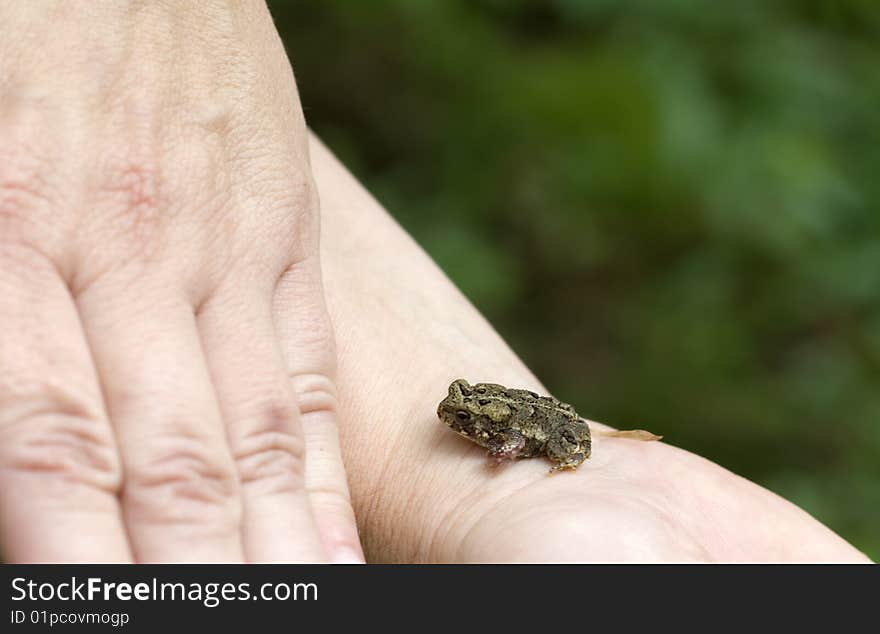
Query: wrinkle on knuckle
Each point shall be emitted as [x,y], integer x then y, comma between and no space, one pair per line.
[183,484]
[272,459]
[315,393]
[61,440]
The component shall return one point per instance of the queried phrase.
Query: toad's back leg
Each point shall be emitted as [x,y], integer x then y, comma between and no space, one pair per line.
[569,445]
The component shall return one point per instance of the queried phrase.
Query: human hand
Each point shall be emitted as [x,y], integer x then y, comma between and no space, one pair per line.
[423,493]
[638,502]
[155,195]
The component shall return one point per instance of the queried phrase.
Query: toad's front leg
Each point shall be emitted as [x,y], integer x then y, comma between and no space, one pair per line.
[507,445]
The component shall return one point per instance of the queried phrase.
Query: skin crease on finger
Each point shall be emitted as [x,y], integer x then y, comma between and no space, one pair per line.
[422,493]
[142,166]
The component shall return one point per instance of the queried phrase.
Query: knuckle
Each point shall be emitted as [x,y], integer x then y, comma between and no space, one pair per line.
[184,484]
[291,201]
[131,209]
[301,196]
[25,195]
[26,260]
[60,440]
[272,458]
[300,288]
[298,191]
[131,193]
[315,393]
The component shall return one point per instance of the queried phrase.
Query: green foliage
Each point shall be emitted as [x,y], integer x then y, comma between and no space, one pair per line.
[672,207]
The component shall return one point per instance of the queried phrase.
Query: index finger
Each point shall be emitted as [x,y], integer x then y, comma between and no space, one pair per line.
[59,468]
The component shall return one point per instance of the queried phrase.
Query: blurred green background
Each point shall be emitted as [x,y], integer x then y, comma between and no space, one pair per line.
[670,208]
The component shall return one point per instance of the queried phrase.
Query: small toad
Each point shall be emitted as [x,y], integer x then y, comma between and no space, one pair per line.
[513,423]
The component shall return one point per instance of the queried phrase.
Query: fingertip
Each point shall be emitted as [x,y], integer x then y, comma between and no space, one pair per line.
[347,555]
[339,536]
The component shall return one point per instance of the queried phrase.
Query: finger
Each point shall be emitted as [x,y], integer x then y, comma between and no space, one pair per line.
[59,468]
[262,424]
[307,342]
[180,497]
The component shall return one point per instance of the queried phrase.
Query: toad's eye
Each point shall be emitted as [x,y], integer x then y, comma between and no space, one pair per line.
[481,390]
[463,416]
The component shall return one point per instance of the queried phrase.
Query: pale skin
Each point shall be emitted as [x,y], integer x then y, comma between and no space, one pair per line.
[155,197]
[169,385]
